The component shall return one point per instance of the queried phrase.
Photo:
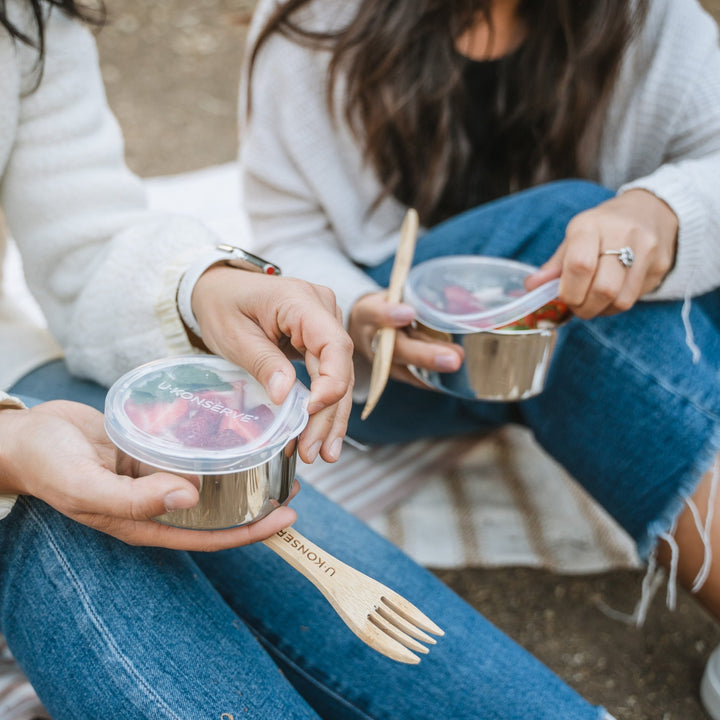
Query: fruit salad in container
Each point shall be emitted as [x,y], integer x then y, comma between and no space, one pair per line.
[468,293]
[200,414]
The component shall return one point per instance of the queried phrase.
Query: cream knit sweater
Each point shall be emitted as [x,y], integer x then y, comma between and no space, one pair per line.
[104,270]
[309,195]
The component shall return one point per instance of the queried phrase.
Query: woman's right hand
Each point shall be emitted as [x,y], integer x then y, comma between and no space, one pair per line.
[58,452]
[373,311]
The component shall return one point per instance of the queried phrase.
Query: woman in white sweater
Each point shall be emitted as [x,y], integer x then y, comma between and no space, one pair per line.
[553,133]
[104,609]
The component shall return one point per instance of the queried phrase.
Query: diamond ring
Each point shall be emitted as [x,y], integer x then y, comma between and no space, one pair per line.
[625,255]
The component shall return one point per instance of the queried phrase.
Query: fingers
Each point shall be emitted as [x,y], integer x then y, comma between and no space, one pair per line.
[124,507]
[248,321]
[328,417]
[98,491]
[440,357]
[370,313]
[549,271]
[593,283]
[325,432]
[152,534]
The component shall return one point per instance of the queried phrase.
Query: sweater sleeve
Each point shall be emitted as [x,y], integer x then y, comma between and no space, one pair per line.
[102,267]
[7,502]
[288,161]
[687,180]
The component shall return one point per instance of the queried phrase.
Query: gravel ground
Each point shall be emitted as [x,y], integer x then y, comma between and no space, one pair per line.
[171,70]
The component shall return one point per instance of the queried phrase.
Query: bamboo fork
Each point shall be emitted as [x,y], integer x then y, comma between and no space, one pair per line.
[379,616]
[385,338]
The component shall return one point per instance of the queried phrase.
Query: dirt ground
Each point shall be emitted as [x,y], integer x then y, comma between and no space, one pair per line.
[171,69]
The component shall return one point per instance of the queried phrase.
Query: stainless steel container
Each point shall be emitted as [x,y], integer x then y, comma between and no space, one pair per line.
[232,499]
[466,300]
[211,422]
[499,365]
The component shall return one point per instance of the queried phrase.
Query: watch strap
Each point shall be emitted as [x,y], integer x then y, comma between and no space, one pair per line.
[223,253]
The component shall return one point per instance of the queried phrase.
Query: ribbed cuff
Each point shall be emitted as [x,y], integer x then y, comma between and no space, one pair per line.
[7,502]
[671,186]
[187,285]
[167,309]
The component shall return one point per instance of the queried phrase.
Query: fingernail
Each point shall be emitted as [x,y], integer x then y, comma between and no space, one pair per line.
[403,314]
[336,448]
[178,500]
[446,363]
[314,450]
[277,385]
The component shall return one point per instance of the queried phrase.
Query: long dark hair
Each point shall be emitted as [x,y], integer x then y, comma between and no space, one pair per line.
[93,15]
[405,95]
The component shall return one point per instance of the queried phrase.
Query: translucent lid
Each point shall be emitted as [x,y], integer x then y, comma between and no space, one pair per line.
[200,414]
[466,293]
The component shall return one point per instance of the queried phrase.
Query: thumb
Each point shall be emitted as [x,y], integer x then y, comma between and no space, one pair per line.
[139,498]
[546,272]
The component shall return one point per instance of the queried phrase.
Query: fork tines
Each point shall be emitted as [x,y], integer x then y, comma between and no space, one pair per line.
[403,625]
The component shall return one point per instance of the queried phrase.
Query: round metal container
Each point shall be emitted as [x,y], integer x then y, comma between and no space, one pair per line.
[466,300]
[232,499]
[210,421]
[499,365]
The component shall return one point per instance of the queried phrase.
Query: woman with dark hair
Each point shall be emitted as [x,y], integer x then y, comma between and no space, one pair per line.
[108,612]
[581,137]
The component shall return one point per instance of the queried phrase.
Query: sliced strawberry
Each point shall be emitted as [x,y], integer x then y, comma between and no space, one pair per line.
[460,301]
[199,430]
[249,425]
[156,418]
[227,439]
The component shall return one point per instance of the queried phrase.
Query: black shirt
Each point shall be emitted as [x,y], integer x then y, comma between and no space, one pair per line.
[487,93]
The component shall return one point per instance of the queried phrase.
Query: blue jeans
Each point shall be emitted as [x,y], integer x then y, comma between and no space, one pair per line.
[625,410]
[103,629]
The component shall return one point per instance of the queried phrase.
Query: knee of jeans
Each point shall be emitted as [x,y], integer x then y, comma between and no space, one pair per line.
[581,194]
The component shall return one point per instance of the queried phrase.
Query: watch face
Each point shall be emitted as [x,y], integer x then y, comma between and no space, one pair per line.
[239,258]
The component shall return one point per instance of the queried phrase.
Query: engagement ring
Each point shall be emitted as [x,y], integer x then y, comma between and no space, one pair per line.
[625,255]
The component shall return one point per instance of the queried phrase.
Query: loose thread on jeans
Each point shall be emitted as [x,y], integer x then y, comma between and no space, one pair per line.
[689,334]
[652,581]
[704,572]
[671,591]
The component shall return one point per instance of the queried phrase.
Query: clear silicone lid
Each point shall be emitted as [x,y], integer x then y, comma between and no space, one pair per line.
[466,293]
[200,414]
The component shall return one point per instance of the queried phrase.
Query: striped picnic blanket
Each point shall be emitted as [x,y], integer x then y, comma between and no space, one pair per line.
[18,700]
[490,502]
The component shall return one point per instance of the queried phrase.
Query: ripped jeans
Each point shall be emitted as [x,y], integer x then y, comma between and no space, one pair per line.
[625,410]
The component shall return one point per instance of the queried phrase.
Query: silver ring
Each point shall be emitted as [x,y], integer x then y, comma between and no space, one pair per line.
[625,255]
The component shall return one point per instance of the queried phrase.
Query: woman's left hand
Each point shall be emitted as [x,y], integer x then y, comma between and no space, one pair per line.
[255,320]
[593,283]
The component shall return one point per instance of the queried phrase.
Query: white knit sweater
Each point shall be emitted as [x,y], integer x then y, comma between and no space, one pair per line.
[310,197]
[104,270]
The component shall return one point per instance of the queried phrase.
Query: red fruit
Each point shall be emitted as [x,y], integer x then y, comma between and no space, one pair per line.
[156,418]
[249,425]
[460,301]
[199,430]
[226,439]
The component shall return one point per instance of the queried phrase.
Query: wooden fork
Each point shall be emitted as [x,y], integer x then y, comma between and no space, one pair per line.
[379,616]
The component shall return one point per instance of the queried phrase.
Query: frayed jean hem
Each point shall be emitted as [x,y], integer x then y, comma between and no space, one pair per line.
[703,464]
